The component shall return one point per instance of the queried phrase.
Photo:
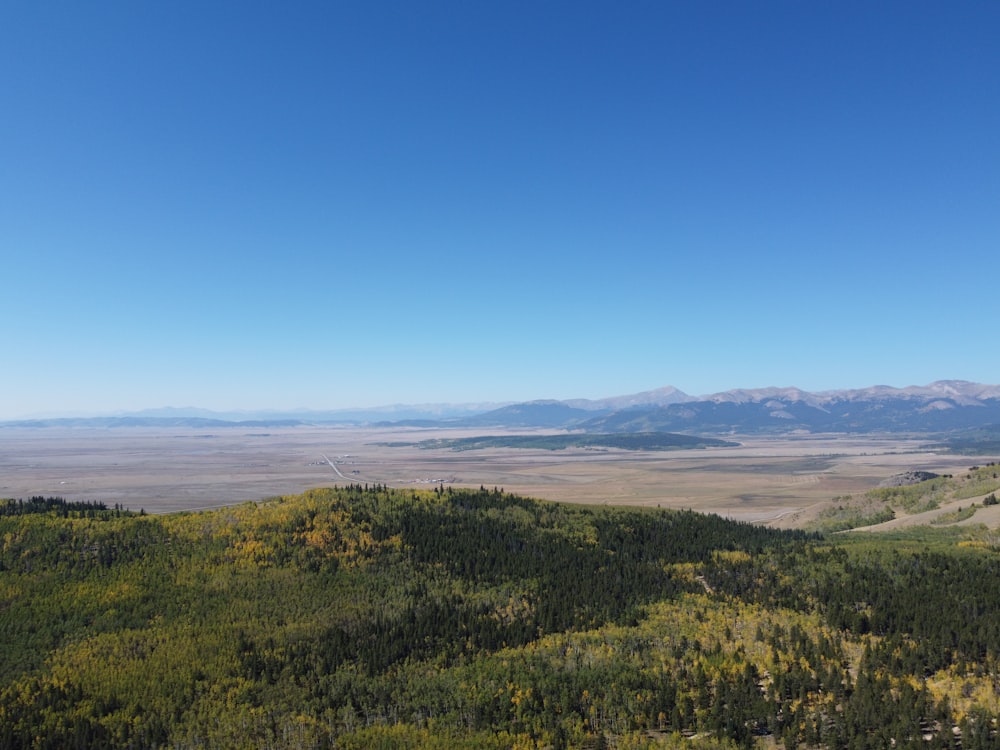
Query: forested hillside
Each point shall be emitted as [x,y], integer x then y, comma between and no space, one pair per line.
[369,617]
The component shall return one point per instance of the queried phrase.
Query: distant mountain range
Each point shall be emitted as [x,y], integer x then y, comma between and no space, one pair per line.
[942,406]
[195,417]
[939,407]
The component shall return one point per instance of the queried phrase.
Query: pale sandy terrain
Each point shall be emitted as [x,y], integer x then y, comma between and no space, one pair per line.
[783,481]
[984,515]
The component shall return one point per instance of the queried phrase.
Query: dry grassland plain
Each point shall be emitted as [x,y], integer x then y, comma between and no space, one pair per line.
[781,481]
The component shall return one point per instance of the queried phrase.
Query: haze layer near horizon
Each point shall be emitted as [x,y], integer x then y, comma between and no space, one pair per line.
[244,205]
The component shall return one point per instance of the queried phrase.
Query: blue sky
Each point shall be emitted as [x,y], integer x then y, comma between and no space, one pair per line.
[246,205]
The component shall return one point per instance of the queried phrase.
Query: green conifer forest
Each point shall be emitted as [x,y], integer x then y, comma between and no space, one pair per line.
[363,616]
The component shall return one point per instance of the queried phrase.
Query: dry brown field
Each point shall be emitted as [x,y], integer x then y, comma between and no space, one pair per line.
[782,480]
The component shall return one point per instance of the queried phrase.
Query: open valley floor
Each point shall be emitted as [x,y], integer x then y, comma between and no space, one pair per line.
[782,481]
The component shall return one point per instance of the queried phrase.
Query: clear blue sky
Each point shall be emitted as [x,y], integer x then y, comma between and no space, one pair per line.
[274,205]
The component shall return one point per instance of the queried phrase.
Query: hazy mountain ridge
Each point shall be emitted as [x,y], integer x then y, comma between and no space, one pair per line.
[197,417]
[961,392]
[657,397]
[940,406]
[533,414]
[152,422]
